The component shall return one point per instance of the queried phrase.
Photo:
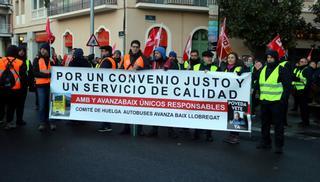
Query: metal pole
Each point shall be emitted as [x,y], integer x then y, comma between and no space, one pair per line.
[91,22]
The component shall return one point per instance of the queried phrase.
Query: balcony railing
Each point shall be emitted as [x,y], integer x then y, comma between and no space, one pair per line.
[201,3]
[5,29]
[39,13]
[60,7]
[5,2]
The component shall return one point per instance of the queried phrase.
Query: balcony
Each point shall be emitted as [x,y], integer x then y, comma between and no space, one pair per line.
[5,3]
[180,5]
[59,9]
[5,30]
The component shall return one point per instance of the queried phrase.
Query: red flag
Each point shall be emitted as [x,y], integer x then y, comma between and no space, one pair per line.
[310,54]
[187,49]
[223,45]
[276,45]
[51,37]
[153,41]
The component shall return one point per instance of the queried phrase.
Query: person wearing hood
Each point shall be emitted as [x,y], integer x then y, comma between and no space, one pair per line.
[206,65]
[42,73]
[134,61]
[78,59]
[274,86]
[12,81]
[117,57]
[22,55]
[158,60]
[301,83]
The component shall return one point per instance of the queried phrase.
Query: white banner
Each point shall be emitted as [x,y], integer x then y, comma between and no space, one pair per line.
[187,99]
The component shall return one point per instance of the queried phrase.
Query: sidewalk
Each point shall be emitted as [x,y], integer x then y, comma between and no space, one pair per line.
[293,130]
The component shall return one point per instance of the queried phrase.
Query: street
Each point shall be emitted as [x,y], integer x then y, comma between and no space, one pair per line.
[77,152]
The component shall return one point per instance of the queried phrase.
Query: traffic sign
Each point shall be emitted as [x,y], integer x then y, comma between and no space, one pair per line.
[92,42]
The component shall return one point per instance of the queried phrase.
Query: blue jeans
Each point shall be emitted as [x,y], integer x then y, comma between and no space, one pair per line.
[44,97]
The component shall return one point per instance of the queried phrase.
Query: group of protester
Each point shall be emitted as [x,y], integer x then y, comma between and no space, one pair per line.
[273,82]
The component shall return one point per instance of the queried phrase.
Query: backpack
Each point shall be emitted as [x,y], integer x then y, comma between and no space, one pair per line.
[7,80]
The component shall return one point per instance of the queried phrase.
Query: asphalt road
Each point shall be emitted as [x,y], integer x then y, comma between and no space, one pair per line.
[79,153]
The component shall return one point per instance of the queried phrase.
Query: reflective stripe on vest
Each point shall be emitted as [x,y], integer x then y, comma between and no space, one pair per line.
[15,69]
[237,69]
[197,67]
[299,85]
[270,89]
[283,63]
[43,69]
[127,63]
[112,61]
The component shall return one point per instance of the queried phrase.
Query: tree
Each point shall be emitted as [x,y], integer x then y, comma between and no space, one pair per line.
[258,23]
[316,10]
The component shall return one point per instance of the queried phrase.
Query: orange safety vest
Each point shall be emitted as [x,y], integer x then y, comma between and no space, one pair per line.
[111,60]
[43,69]
[127,63]
[16,64]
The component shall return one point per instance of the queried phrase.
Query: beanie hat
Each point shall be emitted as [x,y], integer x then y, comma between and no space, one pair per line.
[273,54]
[173,54]
[12,51]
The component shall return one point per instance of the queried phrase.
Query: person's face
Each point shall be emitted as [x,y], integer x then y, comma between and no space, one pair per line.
[21,53]
[117,55]
[231,59]
[303,62]
[236,116]
[270,59]
[194,56]
[157,55]
[104,53]
[313,65]
[44,52]
[207,59]
[135,48]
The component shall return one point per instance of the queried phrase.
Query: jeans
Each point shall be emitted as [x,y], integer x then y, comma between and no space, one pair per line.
[44,97]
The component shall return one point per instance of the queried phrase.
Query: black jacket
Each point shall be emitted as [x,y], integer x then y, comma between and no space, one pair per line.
[284,78]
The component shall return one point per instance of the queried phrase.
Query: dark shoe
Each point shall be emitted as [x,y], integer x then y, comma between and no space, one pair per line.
[263,146]
[152,134]
[105,129]
[278,150]
[232,139]
[125,132]
[209,138]
[21,123]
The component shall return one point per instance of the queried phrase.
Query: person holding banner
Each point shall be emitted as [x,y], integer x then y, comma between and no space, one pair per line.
[106,62]
[274,85]
[134,61]
[42,74]
[234,65]
[206,65]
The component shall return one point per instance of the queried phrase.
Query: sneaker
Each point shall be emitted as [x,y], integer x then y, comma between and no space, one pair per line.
[10,126]
[41,127]
[53,127]
[232,139]
[105,129]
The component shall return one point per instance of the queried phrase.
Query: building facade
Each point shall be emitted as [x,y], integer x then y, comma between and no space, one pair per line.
[118,22]
[5,24]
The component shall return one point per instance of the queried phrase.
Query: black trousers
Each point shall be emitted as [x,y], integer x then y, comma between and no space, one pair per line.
[272,113]
[9,102]
[20,105]
[302,98]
